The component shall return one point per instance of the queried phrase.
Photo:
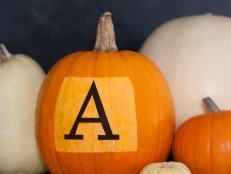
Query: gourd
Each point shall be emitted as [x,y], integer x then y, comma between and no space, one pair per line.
[166,168]
[194,55]
[203,142]
[20,81]
[97,109]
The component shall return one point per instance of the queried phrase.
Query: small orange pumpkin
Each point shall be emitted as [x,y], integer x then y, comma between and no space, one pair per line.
[104,111]
[203,142]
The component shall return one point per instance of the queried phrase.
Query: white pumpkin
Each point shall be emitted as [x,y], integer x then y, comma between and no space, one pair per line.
[166,168]
[20,81]
[194,53]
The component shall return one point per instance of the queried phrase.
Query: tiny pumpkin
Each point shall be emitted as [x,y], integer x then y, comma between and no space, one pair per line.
[166,167]
[99,108]
[20,81]
[203,142]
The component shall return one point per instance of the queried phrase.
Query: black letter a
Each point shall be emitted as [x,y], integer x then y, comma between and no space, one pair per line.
[102,118]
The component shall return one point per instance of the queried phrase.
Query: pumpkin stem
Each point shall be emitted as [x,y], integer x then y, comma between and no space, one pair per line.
[105,37]
[210,104]
[4,53]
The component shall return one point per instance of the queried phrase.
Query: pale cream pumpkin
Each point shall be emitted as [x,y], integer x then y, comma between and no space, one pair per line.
[166,168]
[195,56]
[20,81]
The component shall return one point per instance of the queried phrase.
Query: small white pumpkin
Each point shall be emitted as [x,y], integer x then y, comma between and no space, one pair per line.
[166,168]
[20,82]
[194,53]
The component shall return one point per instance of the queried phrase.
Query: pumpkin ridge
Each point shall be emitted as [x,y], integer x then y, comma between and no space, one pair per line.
[51,112]
[156,96]
[195,162]
[107,60]
[179,149]
[144,64]
[128,69]
[86,56]
[210,144]
[225,130]
[122,58]
[83,56]
[65,74]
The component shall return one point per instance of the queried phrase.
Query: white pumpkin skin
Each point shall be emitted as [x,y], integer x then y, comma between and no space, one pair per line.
[166,168]
[20,81]
[194,53]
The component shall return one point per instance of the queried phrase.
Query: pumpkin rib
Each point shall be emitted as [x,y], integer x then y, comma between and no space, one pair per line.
[74,68]
[84,55]
[194,161]
[122,58]
[179,149]
[96,60]
[210,144]
[128,69]
[93,71]
[204,123]
[50,111]
[173,125]
[183,134]
[94,158]
[196,127]
[78,54]
[227,131]
[157,98]
[144,64]
[222,134]
[131,70]
[107,63]
[108,56]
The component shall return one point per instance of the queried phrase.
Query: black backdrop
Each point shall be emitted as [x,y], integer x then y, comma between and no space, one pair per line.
[50,29]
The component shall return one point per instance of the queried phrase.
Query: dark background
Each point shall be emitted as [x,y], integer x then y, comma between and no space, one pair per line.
[50,29]
[47,30]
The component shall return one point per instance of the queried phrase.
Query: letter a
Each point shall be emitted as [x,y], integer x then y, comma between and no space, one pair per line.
[101,119]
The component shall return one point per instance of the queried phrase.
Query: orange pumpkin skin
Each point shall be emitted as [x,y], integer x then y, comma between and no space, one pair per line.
[154,117]
[203,143]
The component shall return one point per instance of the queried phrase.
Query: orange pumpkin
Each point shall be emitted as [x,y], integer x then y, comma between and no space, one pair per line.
[104,111]
[203,142]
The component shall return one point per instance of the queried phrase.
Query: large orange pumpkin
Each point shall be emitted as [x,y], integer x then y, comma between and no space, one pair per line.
[104,111]
[203,142]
